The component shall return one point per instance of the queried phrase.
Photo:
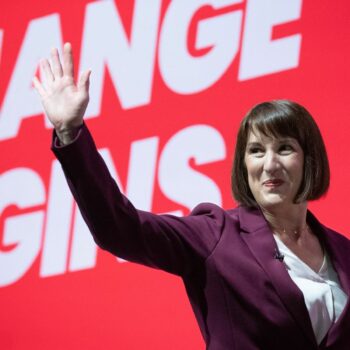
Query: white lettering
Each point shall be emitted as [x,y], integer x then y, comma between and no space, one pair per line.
[184,73]
[58,224]
[21,187]
[21,101]
[107,157]
[84,250]
[177,179]
[261,55]
[83,253]
[141,172]
[60,211]
[131,64]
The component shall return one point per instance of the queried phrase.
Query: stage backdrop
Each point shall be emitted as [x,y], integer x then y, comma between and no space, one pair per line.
[170,82]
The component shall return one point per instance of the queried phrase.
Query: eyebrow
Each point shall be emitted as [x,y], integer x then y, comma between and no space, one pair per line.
[279,140]
[256,143]
[287,139]
[259,143]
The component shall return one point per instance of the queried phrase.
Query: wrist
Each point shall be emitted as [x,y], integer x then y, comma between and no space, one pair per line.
[68,135]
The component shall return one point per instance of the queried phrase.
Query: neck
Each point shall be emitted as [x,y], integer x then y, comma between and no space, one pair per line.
[289,220]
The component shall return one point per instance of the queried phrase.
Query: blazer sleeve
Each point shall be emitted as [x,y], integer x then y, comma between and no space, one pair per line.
[170,243]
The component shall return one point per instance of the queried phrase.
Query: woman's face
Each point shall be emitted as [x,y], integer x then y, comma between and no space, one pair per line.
[275,168]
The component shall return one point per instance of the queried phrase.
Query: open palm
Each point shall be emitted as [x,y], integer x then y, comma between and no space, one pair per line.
[64,100]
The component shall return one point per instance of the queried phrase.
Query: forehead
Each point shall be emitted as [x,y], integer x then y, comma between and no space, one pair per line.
[256,136]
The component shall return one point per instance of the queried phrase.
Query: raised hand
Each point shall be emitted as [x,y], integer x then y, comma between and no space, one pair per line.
[63,99]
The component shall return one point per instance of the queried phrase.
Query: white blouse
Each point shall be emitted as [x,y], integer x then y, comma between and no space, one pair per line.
[323,295]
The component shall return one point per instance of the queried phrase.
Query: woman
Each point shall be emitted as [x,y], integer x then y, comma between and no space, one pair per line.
[265,275]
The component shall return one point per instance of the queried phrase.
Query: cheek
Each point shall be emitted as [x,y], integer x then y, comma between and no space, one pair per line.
[252,168]
[298,168]
[248,169]
[253,176]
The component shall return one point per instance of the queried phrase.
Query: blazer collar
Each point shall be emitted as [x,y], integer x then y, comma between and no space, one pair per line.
[338,251]
[334,247]
[258,236]
[259,239]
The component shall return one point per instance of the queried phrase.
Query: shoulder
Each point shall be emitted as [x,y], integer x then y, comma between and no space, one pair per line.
[216,218]
[242,217]
[215,212]
[337,237]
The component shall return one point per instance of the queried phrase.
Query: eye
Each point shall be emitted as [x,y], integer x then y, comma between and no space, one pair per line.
[255,150]
[286,149]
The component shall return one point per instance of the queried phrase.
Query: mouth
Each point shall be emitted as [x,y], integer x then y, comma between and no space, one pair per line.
[272,183]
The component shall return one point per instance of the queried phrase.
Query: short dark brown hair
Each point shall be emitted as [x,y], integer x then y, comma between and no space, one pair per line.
[283,118]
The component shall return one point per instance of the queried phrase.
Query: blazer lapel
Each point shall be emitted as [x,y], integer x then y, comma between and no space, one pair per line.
[339,255]
[259,238]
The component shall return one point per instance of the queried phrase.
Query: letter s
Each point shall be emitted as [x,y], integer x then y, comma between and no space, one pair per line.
[177,179]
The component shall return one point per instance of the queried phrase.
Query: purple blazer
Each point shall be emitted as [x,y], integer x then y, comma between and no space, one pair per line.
[242,296]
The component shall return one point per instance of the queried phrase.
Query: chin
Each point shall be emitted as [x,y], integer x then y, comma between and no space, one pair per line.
[272,201]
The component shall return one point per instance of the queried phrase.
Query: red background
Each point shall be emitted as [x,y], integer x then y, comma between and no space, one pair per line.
[123,305]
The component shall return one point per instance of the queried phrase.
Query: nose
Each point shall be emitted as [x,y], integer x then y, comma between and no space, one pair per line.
[271,162]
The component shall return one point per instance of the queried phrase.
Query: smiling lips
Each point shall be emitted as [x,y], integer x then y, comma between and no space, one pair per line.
[273,183]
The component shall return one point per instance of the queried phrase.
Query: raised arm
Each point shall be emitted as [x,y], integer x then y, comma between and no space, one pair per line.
[63,99]
[163,241]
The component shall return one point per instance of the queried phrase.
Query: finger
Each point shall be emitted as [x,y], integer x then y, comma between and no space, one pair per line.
[38,86]
[68,67]
[84,81]
[46,71]
[56,63]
